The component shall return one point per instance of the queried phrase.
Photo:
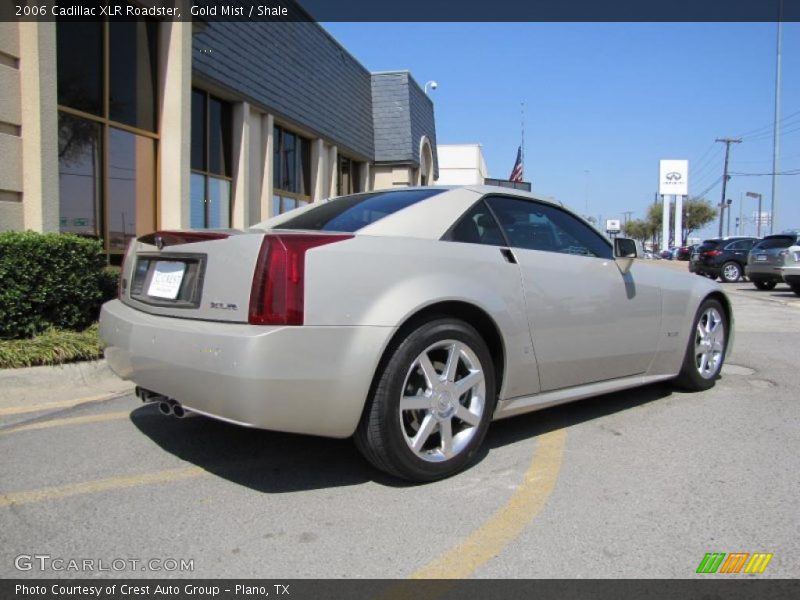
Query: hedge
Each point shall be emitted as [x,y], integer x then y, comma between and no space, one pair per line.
[50,280]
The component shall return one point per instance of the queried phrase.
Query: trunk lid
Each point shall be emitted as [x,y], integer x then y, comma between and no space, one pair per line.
[204,275]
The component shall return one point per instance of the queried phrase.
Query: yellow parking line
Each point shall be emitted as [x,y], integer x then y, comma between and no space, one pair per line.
[510,520]
[99,485]
[28,408]
[69,421]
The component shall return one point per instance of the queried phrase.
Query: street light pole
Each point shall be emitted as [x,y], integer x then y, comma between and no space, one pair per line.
[758,221]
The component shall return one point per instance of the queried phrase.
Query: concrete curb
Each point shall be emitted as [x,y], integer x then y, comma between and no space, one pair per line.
[77,379]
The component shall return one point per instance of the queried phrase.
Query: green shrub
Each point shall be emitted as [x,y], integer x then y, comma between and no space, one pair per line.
[50,280]
[52,347]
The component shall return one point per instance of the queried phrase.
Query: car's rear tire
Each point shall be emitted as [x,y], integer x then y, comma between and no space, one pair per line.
[764,285]
[795,288]
[705,351]
[432,403]
[731,272]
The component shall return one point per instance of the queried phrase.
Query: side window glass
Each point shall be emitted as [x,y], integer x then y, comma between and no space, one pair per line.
[478,226]
[537,226]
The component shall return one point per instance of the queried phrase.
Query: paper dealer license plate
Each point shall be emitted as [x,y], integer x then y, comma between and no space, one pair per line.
[167,279]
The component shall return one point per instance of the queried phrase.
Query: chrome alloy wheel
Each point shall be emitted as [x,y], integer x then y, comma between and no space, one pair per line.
[442,401]
[731,272]
[709,343]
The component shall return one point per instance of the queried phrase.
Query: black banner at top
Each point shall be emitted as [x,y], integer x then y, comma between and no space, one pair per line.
[408,10]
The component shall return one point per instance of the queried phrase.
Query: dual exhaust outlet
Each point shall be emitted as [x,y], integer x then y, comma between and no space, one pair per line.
[166,406]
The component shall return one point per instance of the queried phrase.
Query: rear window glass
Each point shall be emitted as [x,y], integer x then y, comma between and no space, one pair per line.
[709,245]
[351,213]
[776,241]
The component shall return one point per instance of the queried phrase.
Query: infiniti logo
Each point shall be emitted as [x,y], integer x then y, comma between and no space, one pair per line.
[673,176]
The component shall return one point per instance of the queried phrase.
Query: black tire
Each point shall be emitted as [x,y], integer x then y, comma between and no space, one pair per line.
[795,288]
[690,377]
[731,272]
[383,432]
[764,285]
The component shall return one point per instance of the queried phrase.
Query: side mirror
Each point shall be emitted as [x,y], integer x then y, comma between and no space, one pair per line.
[625,253]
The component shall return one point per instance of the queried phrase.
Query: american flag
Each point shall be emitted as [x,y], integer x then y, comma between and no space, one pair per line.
[516,172]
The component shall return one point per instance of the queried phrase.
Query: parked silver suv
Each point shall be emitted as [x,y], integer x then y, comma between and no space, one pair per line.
[768,256]
[791,268]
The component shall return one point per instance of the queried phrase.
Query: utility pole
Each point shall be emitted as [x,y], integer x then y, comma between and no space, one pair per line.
[727,142]
[626,216]
[776,144]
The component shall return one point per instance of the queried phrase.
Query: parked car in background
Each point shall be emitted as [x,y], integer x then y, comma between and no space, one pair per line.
[722,257]
[791,268]
[669,253]
[408,319]
[685,252]
[767,257]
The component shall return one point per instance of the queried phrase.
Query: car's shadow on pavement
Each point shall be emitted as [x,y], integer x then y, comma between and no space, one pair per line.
[273,462]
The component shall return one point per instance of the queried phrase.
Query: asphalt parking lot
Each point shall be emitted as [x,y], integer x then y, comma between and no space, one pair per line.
[637,484]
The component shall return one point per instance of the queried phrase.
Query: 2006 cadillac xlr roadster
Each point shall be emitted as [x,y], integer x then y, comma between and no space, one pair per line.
[408,319]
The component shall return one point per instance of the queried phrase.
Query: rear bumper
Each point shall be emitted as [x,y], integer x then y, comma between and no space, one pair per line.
[698,267]
[312,380]
[757,272]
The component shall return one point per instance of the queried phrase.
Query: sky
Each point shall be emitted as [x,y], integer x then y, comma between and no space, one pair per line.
[604,102]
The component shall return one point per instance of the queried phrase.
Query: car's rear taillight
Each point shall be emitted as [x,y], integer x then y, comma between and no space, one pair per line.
[277,294]
[713,252]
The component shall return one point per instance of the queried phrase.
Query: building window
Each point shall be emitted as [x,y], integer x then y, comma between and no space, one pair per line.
[291,170]
[107,129]
[349,177]
[211,159]
[80,179]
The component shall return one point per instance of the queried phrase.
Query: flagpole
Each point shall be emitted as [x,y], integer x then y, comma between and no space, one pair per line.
[522,145]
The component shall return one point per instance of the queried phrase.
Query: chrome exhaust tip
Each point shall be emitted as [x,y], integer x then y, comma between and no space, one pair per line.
[165,408]
[178,410]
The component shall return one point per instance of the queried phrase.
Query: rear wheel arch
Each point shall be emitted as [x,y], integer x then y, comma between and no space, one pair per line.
[471,314]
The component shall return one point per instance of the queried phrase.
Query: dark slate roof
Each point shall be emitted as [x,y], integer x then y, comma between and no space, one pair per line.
[300,73]
[296,71]
[401,114]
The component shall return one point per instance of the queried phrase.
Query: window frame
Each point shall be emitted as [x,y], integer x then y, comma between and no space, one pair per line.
[448,235]
[354,168]
[561,209]
[206,172]
[280,192]
[106,123]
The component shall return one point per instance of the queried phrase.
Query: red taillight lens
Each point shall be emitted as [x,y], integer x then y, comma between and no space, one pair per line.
[277,294]
[713,253]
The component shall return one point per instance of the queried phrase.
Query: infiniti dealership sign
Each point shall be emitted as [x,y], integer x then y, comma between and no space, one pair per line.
[673,179]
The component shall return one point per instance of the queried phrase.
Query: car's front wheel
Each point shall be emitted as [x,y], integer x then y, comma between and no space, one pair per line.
[731,272]
[764,285]
[432,403]
[705,351]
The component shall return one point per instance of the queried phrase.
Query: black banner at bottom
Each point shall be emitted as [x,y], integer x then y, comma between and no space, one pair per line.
[389,589]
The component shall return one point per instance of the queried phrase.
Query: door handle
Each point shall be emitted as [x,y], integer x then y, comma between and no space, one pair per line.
[508,255]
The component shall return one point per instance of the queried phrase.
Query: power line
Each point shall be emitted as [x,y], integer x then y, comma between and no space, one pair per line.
[758,130]
[792,172]
[709,188]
